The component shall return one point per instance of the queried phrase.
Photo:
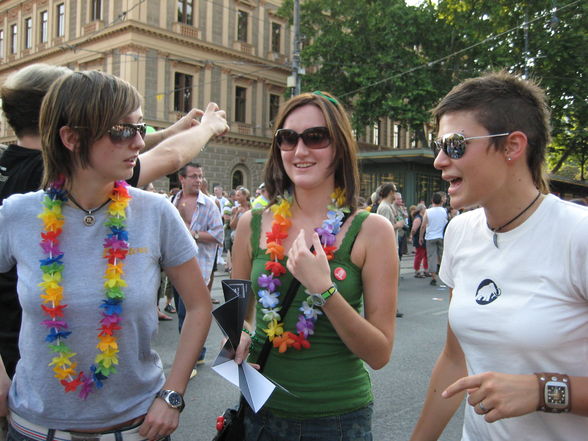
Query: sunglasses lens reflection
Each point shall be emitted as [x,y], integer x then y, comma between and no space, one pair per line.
[313,138]
[125,132]
[452,144]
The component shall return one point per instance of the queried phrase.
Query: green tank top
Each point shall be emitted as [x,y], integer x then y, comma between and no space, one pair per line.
[326,379]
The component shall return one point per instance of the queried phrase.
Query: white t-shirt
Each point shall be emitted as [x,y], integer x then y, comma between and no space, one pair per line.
[521,308]
[436,221]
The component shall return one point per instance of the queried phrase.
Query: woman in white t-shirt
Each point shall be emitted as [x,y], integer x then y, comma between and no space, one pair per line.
[517,337]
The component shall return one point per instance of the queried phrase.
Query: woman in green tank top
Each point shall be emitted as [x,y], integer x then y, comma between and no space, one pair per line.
[343,313]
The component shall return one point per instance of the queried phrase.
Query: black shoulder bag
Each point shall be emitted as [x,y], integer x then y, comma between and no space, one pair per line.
[233,428]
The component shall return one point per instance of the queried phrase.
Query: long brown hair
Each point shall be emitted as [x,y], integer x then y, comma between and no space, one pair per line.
[344,163]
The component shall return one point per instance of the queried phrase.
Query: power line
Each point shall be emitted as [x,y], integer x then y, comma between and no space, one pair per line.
[446,57]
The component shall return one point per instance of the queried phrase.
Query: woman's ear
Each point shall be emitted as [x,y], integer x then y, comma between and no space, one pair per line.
[69,138]
[516,146]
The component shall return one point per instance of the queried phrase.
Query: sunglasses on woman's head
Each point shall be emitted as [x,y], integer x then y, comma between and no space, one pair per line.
[454,144]
[313,138]
[126,131]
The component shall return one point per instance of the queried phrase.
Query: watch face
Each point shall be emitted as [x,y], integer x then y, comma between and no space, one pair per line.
[175,399]
[556,394]
[317,299]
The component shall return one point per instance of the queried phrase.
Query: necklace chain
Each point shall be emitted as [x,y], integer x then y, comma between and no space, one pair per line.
[496,230]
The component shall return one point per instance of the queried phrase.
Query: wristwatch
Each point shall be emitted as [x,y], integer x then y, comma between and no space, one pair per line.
[321,298]
[554,392]
[174,399]
[195,235]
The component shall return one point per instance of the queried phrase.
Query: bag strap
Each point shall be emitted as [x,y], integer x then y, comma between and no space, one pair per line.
[267,346]
[294,285]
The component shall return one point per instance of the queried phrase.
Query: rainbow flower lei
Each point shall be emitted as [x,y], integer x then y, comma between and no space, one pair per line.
[116,247]
[269,283]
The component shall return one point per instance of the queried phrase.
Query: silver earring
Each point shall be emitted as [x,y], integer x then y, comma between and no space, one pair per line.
[509,158]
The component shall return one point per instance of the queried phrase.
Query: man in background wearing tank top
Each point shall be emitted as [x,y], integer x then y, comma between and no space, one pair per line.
[431,233]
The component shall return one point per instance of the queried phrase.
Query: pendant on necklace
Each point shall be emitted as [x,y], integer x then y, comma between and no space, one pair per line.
[495,239]
[89,220]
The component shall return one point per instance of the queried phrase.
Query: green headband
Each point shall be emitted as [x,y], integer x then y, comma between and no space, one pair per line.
[319,93]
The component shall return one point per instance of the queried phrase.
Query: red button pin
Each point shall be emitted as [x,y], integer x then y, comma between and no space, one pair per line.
[340,273]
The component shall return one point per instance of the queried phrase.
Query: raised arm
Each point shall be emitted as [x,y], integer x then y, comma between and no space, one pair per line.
[370,337]
[180,143]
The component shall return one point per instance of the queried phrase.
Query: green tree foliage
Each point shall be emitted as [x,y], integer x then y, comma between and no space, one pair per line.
[384,58]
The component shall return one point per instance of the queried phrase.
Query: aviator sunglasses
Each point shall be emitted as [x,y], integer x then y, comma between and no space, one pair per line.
[313,138]
[454,144]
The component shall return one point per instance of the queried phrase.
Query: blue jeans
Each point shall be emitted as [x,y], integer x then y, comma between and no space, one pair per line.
[352,426]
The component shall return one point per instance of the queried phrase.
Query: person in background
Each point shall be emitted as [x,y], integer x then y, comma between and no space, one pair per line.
[242,197]
[203,220]
[87,321]
[403,232]
[228,236]
[431,234]
[341,313]
[518,315]
[262,200]
[420,256]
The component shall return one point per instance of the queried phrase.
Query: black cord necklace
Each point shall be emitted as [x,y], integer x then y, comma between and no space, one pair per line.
[89,218]
[496,230]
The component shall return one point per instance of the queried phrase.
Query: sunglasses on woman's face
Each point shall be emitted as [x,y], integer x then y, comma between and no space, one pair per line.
[454,144]
[126,131]
[313,138]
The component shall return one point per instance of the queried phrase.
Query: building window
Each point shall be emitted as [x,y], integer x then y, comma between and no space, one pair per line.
[376,133]
[185,11]
[276,37]
[274,107]
[44,36]
[96,10]
[396,136]
[28,42]
[1,43]
[183,92]
[60,29]
[13,39]
[242,23]
[237,179]
[240,103]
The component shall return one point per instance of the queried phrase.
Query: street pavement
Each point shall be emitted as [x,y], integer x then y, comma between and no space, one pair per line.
[399,388]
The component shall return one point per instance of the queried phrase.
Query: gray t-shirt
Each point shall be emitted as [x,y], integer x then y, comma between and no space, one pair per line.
[158,238]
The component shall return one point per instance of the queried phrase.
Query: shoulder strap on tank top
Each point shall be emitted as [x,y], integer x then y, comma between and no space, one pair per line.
[255,230]
[351,235]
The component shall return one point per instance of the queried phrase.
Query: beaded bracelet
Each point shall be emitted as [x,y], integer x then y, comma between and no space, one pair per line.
[248,332]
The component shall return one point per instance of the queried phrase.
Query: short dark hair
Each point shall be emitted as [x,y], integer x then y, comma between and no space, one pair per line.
[22,94]
[437,198]
[184,170]
[386,189]
[503,102]
[344,163]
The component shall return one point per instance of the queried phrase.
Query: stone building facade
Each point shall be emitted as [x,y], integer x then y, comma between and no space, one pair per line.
[179,55]
[185,53]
